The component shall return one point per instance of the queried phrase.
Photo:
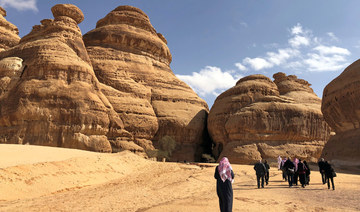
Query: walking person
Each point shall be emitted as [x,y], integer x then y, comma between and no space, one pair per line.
[302,173]
[279,160]
[290,170]
[329,174]
[283,169]
[260,173]
[307,174]
[321,165]
[296,174]
[224,176]
[267,174]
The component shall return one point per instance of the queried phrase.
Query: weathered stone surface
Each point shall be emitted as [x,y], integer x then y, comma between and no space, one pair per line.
[54,97]
[132,60]
[341,109]
[9,33]
[259,118]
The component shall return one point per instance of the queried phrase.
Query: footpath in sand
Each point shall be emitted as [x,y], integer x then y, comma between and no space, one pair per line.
[34,178]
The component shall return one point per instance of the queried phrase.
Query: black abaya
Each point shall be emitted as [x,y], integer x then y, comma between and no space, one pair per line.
[224,191]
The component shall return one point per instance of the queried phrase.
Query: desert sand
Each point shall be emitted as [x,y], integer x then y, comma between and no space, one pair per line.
[35,178]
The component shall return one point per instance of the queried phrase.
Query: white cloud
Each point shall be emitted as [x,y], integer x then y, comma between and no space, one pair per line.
[295,30]
[281,56]
[319,62]
[20,4]
[244,24]
[210,80]
[326,50]
[257,63]
[298,41]
[313,55]
[333,36]
[240,66]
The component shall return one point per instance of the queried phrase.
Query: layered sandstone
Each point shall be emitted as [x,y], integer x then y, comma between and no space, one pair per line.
[341,109]
[52,96]
[133,61]
[9,33]
[260,119]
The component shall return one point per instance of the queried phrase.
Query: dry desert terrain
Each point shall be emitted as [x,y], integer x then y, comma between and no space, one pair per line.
[34,178]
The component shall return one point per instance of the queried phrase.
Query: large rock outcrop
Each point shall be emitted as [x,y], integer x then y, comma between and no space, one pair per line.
[51,95]
[341,109]
[261,119]
[9,33]
[132,60]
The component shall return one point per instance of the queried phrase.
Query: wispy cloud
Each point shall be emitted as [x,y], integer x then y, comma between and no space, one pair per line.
[20,5]
[211,80]
[303,51]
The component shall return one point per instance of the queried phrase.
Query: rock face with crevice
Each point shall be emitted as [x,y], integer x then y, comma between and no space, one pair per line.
[52,96]
[341,109]
[9,33]
[132,61]
[261,119]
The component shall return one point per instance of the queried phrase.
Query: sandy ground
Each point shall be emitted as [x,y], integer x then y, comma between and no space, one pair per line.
[34,178]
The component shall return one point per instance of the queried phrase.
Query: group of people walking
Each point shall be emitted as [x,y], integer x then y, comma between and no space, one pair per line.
[292,172]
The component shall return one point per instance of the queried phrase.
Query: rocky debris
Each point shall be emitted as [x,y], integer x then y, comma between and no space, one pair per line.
[132,60]
[9,33]
[341,109]
[54,97]
[261,119]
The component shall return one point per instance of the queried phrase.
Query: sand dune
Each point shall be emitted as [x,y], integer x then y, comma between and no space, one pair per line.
[34,178]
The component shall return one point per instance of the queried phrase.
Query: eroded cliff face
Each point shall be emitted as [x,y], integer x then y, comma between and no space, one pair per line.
[341,109]
[261,119]
[52,96]
[132,61]
[9,33]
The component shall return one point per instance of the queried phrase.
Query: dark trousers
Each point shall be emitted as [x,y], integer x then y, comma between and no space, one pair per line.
[332,182]
[307,179]
[323,178]
[258,180]
[284,175]
[295,179]
[267,177]
[302,178]
[290,179]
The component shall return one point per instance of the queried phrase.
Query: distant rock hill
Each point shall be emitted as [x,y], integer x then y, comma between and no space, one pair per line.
[341,109]
[116,93]
[261,119]
[9,33]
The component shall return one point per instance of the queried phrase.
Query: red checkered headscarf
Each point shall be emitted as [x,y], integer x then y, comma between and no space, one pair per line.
[224,169]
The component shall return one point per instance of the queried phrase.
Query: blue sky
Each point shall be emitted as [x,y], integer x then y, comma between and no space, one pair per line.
[214,43]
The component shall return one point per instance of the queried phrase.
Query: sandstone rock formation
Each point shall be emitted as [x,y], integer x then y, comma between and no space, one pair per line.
[132,61]
[341,109]
[9,33]
[54,98]
[261,119]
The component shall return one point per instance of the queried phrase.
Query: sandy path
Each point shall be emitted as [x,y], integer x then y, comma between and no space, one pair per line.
[126,182]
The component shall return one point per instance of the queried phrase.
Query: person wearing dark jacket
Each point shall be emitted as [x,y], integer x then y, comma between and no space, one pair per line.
[321,164]
[307,174]
[290,170]
[267,174]
[302,173]
[329,174]
[224,176]
[260,173]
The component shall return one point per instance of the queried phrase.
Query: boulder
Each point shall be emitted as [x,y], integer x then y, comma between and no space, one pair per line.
[9,33]
[341,109]
[133,61]
[52,96]
[261,119]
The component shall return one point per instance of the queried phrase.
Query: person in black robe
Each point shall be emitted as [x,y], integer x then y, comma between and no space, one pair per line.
[224,176]
[267,175]
[329,174]
[290,170]
[321,165]
[260,173]
[307,174]
[302,173]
